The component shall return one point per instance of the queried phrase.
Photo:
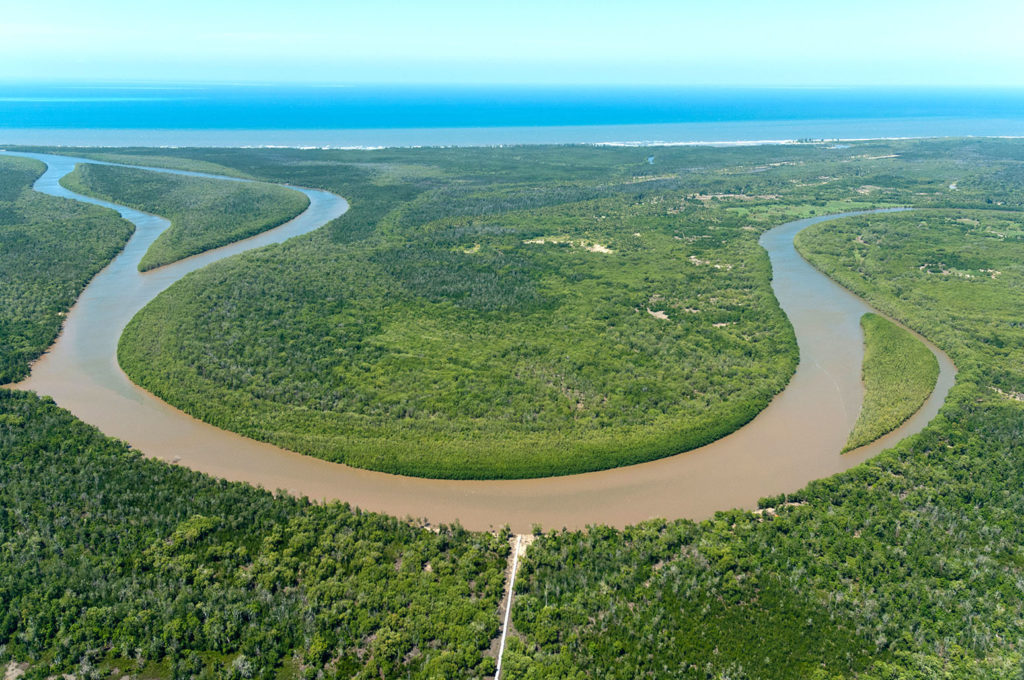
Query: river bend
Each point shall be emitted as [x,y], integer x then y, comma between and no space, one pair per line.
[796,439]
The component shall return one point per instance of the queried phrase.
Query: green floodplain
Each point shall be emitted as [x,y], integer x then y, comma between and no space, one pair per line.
[899,373]
[908,566]
[204,213]
[482,330]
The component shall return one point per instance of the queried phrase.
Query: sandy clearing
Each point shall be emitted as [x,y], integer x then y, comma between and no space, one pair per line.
[1011,395]
[586,245]
[15,670]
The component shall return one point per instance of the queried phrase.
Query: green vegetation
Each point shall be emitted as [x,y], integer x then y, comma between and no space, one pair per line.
[485,313]
[112,564]
[909,566]
[506,346]
[110,561]
[461,321]
[49,249]
[148,159]
[482,327]
[899,374]
[204,213]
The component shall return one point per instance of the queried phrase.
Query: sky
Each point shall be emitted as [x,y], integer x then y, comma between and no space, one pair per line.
[640,42]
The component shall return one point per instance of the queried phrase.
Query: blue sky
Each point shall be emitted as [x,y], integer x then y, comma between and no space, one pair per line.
[681,42]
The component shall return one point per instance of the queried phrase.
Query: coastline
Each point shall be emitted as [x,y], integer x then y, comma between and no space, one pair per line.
[714,134]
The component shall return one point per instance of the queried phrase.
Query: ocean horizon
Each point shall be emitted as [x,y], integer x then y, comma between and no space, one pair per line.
[381,116]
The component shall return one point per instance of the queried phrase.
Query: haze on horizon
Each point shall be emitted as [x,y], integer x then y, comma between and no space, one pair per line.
[652,42]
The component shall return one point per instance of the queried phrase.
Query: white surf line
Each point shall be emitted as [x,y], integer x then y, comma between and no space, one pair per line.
[508,606]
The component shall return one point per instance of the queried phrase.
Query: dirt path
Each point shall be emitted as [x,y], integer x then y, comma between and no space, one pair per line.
[519,547]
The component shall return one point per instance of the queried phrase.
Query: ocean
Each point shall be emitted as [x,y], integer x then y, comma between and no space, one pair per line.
[374,116]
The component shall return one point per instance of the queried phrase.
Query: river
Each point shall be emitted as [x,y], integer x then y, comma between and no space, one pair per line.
[796,439]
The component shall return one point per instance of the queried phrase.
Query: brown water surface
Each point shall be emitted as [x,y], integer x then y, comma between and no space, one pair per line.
[795,440]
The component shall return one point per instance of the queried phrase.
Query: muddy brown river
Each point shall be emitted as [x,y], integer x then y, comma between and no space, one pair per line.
[796,439]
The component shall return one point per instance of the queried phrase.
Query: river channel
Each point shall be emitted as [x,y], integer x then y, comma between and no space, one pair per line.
[796,439]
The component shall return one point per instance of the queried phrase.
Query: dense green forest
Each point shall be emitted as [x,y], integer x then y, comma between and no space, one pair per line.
[909,566]
[520,313]
[111,564]
[539,342]
[49,249]
[516,312]
[204,213]
[110,561]
[899,373]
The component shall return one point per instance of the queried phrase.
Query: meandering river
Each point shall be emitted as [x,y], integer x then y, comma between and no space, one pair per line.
[796,439]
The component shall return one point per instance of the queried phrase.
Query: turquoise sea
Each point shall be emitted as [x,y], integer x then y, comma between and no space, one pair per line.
[370,116]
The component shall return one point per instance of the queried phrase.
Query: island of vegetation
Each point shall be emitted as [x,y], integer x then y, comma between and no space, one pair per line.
[478,320]
[899,374]
[204,213]
[49,249]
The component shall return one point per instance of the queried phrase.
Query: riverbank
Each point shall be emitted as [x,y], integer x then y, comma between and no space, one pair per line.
[795,440]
